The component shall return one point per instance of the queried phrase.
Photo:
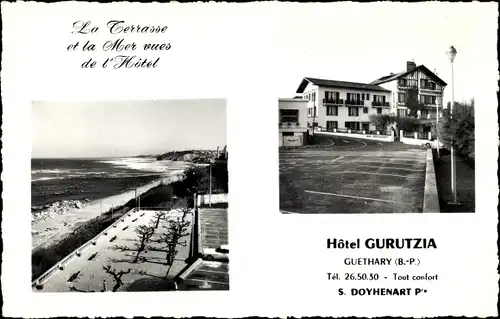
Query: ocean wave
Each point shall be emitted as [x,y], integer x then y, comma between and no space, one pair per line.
[147,165]
[50,171]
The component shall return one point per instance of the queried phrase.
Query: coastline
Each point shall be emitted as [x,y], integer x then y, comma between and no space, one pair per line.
[46,232]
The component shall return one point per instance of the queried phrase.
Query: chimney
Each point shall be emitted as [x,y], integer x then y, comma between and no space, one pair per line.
[410,65]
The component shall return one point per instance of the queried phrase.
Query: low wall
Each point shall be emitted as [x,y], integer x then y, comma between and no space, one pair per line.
[215,199]
[431,199]
[373,137]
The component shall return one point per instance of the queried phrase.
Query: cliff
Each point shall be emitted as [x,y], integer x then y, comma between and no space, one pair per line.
[193,156]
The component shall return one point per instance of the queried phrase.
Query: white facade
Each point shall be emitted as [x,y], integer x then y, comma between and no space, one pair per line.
[337,114]
[423,86]
[292,122]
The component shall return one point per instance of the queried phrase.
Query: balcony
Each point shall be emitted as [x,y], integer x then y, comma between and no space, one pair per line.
[355,102]
[289,124]
[380,104]
[408,84]
[333,101]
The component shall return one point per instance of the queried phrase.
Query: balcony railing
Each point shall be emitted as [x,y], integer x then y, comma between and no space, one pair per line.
[333,101]
[379,104]
[430,88]
[355,102]
[289,124]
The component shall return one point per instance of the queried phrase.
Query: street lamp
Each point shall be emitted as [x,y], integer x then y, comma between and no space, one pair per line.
[452,52]
[210,185]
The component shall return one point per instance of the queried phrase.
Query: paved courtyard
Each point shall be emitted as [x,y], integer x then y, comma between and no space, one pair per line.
[214,227]
[353,176]
[117,248]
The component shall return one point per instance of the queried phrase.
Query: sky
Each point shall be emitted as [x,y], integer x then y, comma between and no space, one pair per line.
[362,42]
[126,128]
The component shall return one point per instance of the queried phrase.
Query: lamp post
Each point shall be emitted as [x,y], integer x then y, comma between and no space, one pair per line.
[452,52]
[210,185]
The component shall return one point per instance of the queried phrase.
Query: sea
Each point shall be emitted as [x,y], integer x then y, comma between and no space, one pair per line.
[84,180]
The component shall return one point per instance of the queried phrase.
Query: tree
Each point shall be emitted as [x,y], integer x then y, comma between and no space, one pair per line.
[458,130]
[144,233]
[406,123]
[382,121]
[185,209]
[176,229]
[159,215]
[116,275]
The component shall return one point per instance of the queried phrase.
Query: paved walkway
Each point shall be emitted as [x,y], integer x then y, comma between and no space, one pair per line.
[86,272]
[466,188]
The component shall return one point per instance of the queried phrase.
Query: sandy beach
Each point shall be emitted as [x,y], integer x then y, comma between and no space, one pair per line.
[46,232]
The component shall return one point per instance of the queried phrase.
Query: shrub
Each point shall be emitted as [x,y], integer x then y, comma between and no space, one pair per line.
[458,130]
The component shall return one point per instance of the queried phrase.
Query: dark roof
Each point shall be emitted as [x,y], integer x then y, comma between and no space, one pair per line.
[339,84]
[422,67]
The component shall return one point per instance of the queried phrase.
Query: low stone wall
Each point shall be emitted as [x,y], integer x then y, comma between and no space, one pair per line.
[431,199]
[373,137]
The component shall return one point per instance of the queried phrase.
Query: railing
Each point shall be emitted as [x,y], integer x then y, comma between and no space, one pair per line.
[355,102]
[333,101]
[429,87]
[378,103]
[289,124]
[353,131]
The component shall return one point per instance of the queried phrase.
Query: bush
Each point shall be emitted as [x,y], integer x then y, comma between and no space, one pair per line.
[382,121]
[458,130]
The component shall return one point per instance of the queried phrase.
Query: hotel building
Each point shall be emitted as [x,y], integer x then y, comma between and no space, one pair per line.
[424,85]
[343,105]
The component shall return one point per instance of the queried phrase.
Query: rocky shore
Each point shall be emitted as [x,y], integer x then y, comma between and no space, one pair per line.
[41,213]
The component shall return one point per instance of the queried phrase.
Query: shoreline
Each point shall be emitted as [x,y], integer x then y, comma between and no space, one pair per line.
[48,231]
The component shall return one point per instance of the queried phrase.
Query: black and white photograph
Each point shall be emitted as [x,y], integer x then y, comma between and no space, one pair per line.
[353,133]
[129,196]
[393,144]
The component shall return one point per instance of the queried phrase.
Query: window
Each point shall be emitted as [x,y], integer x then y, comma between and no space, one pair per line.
[314,96]
[363,96]
[353,111]
[368,96]
[423,83]
[289,116]
[379,110]
[402,112]
[332,96]
[428,99]
[332,110]
[309,111]
[424,114]
[287,133]
[330,125]
[401,97]
[379,98]
[365,110]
